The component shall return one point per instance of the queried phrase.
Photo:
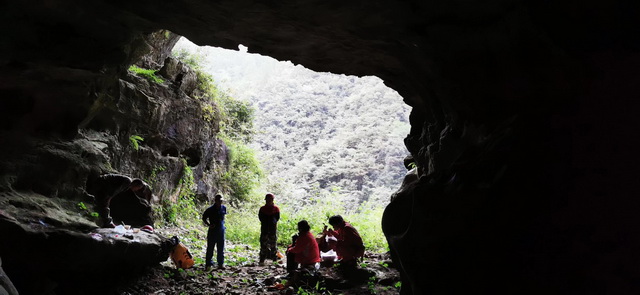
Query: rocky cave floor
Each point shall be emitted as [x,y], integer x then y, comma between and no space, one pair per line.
[243,275]
[254,279]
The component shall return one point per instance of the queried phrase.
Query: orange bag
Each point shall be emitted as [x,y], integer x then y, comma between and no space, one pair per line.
[181,257]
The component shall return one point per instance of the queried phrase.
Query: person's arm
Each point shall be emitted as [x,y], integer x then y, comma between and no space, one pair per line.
[301,245]
[205,217]
[277,215]
[346,236]
[148,194]
[261,216]
[334,233]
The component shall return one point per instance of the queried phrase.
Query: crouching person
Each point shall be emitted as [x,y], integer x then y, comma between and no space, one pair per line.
[108,186]
[305,250]
[347,243]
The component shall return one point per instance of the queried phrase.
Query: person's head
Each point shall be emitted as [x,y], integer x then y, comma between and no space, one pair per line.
[336,221]
[269,198]
[218,199]
[137,184]
[303,226]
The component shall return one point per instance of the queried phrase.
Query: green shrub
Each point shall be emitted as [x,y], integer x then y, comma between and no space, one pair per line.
[208,113]
[147,73]
[244,172]
[243,225]
[237,118]
[153,177]
[186,203]
[368,221]
[185,208]
[236,130]
[166,213]
[189,59]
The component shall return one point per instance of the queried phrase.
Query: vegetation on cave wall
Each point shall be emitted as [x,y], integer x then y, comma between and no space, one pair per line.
[237,180]
[146,73]
[236,117]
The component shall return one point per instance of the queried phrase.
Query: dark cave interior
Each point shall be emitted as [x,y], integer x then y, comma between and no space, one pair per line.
[524,122]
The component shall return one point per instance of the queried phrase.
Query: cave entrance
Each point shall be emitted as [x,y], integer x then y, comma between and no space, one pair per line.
[327,143]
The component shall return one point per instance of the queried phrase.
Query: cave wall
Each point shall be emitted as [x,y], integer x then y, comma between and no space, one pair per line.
[524,120]
[46,219]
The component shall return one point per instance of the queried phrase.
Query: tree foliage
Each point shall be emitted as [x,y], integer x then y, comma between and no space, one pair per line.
[244,172]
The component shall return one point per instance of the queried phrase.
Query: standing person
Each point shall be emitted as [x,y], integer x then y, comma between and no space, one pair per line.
[305,248]
[269,215]
[349,245]
[107,186]
[213,217]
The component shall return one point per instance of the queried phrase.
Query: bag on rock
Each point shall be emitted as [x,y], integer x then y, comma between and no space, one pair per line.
[181,257]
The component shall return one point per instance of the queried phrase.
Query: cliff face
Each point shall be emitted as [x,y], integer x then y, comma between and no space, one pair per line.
[523,122]
[133,126]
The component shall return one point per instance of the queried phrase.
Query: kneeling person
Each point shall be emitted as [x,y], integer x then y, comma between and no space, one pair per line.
[348,244]
[305,249]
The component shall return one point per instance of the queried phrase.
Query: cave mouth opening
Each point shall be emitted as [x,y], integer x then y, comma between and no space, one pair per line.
[328,143]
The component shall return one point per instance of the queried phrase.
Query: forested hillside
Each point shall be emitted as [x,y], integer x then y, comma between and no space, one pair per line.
[317,134]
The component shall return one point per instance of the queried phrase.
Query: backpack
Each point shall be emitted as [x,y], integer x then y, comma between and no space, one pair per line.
[180,256]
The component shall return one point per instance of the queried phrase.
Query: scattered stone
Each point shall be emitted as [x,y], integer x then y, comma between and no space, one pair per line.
[241,280]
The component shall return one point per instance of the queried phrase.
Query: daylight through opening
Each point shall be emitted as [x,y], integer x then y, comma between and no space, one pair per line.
[324,144]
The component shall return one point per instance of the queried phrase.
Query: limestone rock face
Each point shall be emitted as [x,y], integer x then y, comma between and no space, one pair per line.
[129,125]
[524,121]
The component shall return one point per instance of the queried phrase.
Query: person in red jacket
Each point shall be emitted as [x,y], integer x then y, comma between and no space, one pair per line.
[269,215]
[305,249]
[348,244]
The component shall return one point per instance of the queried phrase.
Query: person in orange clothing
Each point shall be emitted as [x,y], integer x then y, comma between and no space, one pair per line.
[269,215]
[348,244]
[305,249]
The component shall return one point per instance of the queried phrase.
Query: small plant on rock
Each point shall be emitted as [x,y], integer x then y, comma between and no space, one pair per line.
[372,285]
[83,207]
[146,73]
[135,141]
[398,285]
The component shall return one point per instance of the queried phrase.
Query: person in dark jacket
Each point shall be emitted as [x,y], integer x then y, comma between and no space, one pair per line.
[292,265]
[269,215]
[213,217]
[107,186]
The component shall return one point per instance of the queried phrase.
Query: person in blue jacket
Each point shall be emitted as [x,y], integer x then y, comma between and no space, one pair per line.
[213,217]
